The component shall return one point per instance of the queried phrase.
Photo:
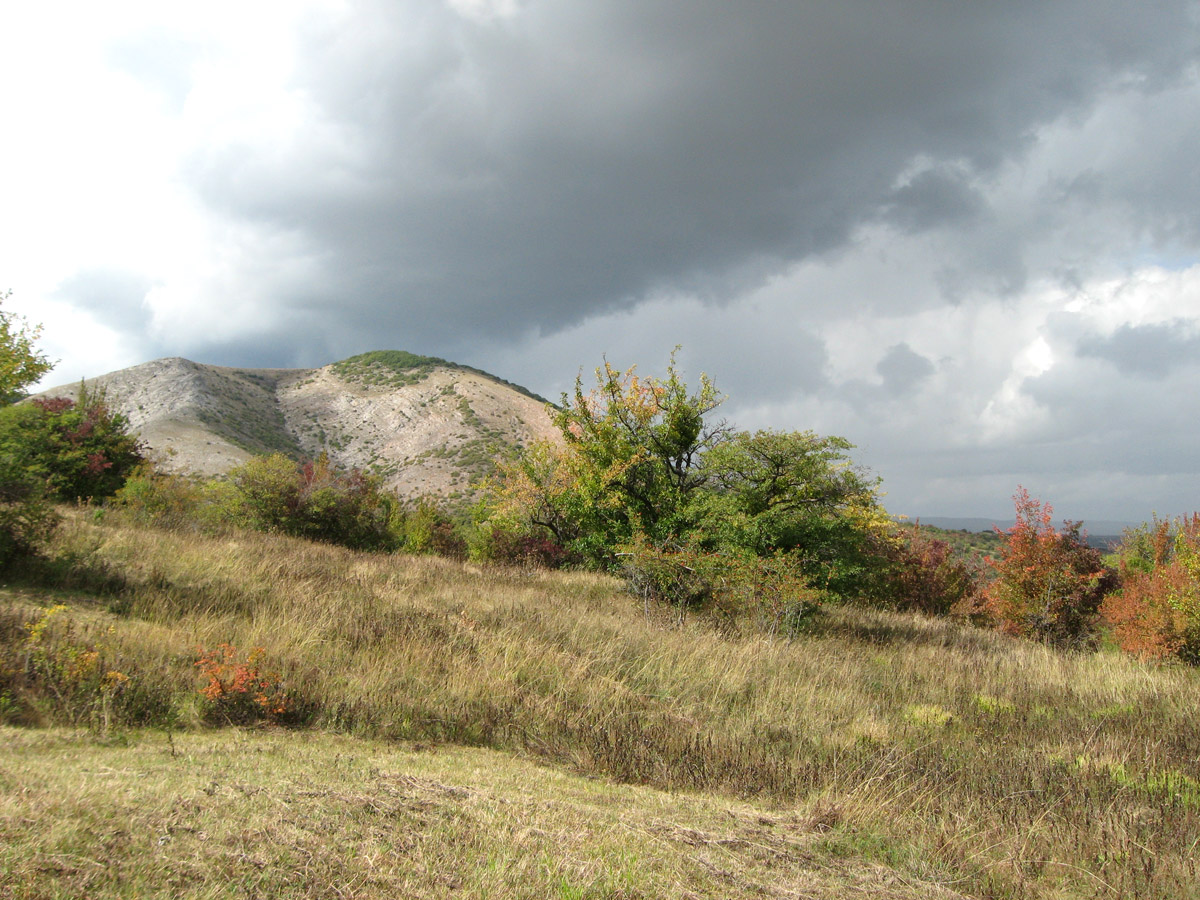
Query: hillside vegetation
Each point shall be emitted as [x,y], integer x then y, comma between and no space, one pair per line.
[890,753]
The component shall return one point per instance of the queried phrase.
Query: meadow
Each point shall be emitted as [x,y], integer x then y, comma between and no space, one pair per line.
[393,725]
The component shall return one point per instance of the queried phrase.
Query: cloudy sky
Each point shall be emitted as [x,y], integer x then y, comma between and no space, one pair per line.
[966,236]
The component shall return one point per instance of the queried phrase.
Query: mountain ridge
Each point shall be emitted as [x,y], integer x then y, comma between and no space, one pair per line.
[424,425]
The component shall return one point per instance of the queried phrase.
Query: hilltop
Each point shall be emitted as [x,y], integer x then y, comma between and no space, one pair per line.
[425,425]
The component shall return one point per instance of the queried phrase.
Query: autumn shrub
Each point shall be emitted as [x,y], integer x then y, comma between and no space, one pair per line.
[239,691]
[1048,584]
[81,679]
[925,574]
[1156,612]
[79,449]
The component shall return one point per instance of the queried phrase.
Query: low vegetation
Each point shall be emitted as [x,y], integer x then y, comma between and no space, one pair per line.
[789,693]
[399,368]
[947,755]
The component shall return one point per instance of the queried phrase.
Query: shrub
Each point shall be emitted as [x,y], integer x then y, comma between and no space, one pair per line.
[79,449]
[770,593]
[1156,612]
[427,528]
[499,542]
[313,500]
[1048,584]
[79,678]
[164,500]
[925,575]
[240,692]
[26,517]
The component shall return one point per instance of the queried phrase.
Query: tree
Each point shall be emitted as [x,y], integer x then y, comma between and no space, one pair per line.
[20,364]
[25,515]
[639,470]
[632,459]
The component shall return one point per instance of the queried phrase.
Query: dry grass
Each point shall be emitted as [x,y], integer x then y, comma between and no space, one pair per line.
[272,814]
[947,755]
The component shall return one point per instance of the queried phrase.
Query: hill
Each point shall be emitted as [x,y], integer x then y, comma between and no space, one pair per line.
[426,426]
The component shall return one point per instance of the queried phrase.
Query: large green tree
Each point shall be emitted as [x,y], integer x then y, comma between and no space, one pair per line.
[640,464]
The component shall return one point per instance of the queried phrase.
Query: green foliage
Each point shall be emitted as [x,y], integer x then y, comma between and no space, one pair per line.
[310,500]
[639,466]
[80,450]
[426,528]
[799,493]
[1048,584]
[638,443]
[393,368]
[26,518]
[20,363]
[399,368]
[165,500]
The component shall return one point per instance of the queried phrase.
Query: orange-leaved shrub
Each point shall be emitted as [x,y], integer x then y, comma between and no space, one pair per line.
[1156,613]
[240,691]
[1048,584]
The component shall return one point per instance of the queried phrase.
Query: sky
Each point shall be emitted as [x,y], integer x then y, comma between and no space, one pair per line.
[964,236]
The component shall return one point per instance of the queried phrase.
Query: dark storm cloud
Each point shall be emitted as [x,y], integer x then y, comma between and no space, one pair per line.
[932,199]
[902,369]
[1151,351]
[114,297]
[465,178]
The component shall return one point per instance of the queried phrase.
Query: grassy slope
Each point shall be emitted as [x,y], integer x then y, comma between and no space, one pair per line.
[892,752]
[277,814]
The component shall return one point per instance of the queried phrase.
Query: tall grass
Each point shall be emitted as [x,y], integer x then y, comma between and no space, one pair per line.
[1007,769]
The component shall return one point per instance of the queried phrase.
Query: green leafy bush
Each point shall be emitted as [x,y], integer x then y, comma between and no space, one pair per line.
[310,500]
[167,500]
[78,449]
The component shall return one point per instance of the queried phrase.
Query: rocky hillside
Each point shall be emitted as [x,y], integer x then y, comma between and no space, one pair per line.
[425,425]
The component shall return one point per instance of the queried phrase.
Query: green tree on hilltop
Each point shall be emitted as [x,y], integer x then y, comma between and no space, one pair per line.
[20,363]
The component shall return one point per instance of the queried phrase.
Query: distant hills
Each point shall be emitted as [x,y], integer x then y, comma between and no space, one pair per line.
[425,425]
[1100,532]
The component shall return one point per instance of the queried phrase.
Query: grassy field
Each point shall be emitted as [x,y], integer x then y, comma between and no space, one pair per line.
[464,731]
